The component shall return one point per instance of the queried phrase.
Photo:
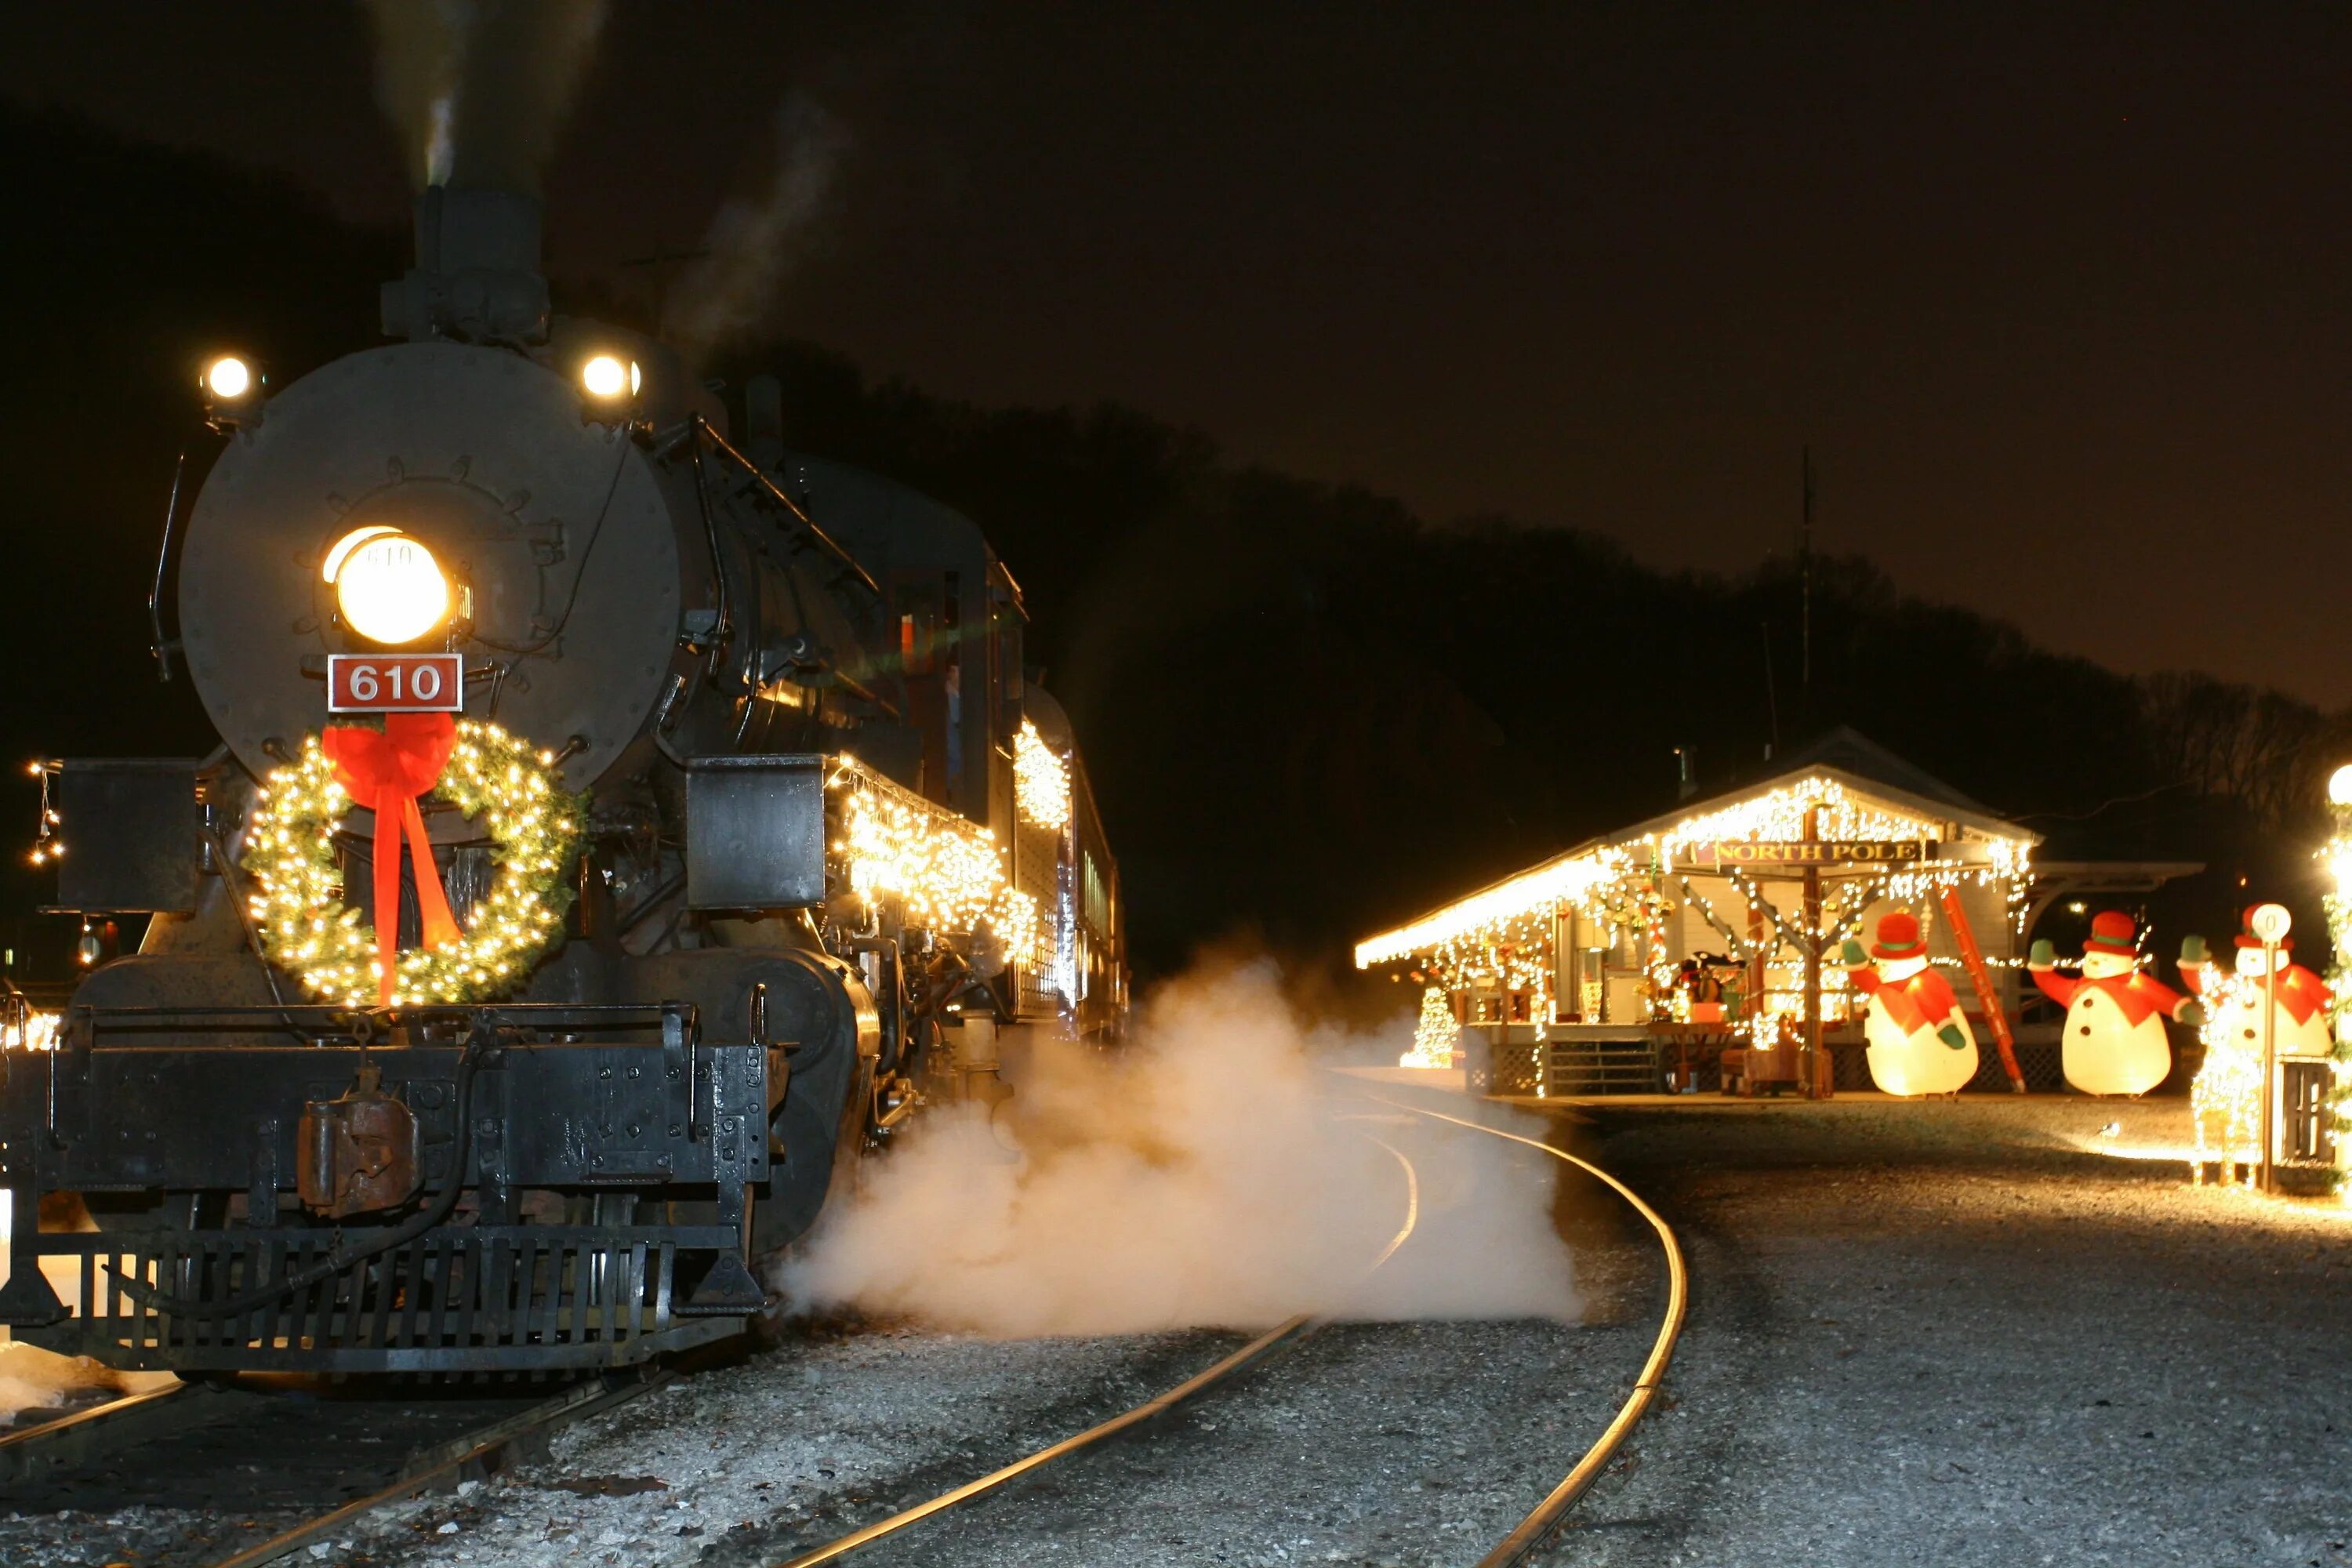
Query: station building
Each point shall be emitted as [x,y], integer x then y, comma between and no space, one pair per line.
[1700,948]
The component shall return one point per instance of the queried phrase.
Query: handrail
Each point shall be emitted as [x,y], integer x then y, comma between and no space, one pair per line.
[833,546]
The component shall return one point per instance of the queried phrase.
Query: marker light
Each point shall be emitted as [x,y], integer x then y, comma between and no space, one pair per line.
[234,389]
[229,378]
[387,585]
[606,376]
[2339,787]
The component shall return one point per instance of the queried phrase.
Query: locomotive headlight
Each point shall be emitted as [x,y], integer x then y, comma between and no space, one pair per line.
[607,377]
[387,584]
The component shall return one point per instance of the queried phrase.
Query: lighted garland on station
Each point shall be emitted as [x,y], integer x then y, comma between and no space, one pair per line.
[297,899]
[1500,933]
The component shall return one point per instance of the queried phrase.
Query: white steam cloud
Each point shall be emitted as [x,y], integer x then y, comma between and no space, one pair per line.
[1208,1173]
[480,88]
[754,240]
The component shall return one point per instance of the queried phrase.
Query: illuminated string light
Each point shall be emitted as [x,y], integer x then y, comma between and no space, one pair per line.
[2225,1103]
[47,844]
[1433,1034]
[1502,935]
[35,1031]
[2337,902]
[297,897]
[1041,780]
[945,872]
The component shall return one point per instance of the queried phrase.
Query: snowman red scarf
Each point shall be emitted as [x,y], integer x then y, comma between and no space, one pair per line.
[2136,995]
[1922,1002]
[2300,992]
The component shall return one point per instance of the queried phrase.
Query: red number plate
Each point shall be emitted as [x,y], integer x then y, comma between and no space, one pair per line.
[395,683]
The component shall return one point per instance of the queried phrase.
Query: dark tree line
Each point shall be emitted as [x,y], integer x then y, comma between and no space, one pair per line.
[1306,711]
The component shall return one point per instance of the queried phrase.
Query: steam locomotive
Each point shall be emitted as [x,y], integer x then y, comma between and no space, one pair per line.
[799,849]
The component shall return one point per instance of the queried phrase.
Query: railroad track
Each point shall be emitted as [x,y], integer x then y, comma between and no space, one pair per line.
[1514,1549]
[261,1464]
[1536,1526]
[37,1447]
[478,1440]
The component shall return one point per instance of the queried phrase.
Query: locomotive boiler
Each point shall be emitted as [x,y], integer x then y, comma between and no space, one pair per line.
[622,825]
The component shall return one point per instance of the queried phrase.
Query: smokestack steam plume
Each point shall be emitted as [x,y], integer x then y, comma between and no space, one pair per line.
[754,241]
[480,88]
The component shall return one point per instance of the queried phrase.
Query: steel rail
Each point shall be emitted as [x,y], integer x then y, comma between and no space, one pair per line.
[1516,1547]
[835,1551]
[478,1449]
[69,1439]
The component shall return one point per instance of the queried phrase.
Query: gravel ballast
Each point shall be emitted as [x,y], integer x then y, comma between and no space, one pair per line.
[1993,1332]
[1981,1332]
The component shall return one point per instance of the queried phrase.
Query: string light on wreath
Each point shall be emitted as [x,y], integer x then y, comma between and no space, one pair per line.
[297,899]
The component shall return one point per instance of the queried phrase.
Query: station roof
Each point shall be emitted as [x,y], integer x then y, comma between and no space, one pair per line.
[1862,790]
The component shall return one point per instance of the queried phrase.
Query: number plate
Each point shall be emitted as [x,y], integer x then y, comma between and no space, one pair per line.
[395,683]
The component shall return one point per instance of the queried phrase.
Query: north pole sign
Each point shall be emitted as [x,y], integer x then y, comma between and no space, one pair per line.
[1800,853]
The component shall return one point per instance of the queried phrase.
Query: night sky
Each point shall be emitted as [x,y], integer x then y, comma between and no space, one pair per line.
[2059,300]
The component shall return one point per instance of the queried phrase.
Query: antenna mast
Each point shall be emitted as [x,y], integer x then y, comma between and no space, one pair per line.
[1805,589]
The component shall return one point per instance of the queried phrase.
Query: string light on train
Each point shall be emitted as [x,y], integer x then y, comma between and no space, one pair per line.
[946,872]
[47,844]
[1041,780]
[31,1030]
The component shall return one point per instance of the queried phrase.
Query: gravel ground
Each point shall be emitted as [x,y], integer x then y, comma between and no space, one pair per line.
[752,1463]
[1957,1334]
[1981,1332]
[1367,1443]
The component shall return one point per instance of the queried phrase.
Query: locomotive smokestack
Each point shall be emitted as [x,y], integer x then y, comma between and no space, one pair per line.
[476,277]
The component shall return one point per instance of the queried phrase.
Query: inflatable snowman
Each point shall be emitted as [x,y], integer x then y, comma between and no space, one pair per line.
[2115,1039]
[2302,1018]
[1920,1042]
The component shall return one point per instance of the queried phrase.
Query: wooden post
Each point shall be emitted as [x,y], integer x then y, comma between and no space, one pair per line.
[1972,956]
[2266,1179]
[1759,954]
[1815,1078]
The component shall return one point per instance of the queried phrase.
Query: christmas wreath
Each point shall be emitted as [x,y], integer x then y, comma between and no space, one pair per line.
[300,919]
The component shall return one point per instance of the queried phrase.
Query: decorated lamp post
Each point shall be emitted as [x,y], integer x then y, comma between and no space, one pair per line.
[2338,905]
[2270,923]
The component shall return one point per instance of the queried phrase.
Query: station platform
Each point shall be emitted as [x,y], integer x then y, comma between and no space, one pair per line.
[2154,1128]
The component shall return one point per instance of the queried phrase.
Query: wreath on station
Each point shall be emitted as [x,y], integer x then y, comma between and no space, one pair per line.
[299,918]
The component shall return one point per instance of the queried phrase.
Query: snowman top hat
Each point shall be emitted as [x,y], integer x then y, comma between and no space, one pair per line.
[2246,937]
[1898,937]
[2111,931]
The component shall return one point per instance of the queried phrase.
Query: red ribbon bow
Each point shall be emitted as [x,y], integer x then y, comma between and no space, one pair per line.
[385,770]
